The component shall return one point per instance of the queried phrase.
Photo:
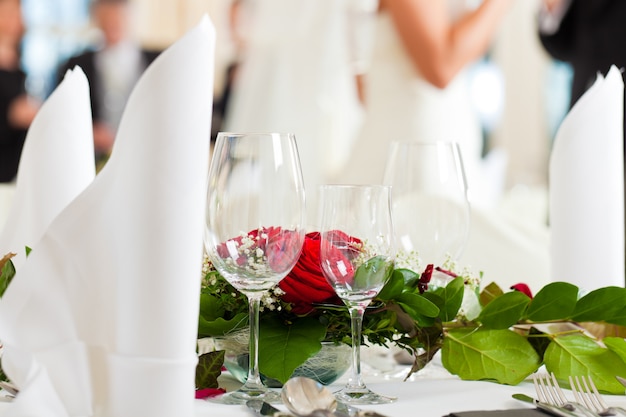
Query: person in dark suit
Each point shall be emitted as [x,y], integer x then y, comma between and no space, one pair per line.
[589,35]
[17,109]
[112,69]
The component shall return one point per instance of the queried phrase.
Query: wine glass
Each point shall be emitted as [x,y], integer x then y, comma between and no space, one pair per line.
[357,255]
[255,226]
[430,208]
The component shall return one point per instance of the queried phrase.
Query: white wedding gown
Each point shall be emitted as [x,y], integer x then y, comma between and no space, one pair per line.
[296,77]
[401,105]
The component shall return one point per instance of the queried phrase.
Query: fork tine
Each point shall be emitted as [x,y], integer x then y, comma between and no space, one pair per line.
[541,390]
[540,394]
[557,389]
[583,394]
[546,391]
[597,395]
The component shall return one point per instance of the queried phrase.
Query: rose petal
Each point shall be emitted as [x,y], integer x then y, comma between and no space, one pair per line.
[209,392]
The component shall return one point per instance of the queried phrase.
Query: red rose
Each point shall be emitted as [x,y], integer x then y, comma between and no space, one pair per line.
[281,247]
[523,288]
[306,285]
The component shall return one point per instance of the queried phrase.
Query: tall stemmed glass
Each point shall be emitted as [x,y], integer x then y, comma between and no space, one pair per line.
[357,256]
[255,226]
[431,212]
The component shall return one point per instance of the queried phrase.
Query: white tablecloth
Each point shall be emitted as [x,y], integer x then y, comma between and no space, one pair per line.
[430,393]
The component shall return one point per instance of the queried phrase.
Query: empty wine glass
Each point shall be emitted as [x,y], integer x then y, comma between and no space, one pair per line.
[431,212]
[255,220]
[357,256]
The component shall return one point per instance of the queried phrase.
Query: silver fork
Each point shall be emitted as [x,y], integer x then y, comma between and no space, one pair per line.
[549,391]
[586,393]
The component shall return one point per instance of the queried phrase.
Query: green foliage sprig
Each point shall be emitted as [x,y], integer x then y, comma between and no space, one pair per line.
[514,335]
[508,338]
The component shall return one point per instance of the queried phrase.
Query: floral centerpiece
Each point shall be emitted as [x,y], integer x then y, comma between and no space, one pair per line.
[496,335]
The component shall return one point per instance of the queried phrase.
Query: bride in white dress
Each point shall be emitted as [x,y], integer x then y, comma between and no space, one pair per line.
[296,76]
[416,86]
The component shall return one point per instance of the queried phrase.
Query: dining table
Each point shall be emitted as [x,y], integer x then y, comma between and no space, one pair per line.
[430,392]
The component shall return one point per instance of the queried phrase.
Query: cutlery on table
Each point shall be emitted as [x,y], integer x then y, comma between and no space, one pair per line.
[549,408]
[307,397]
[621,380]
[586,393]
[549,391]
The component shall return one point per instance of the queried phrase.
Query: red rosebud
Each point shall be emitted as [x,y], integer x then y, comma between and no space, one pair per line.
[422,283]
[521,287]
[209,392]
[306,285]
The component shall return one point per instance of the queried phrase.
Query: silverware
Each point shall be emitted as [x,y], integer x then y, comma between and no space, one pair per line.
[621,380]
[549,391]
[552,409]
[306,397]
[263,408]
[586,393]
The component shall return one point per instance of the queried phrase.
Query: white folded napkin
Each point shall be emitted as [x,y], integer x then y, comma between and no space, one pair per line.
[587,189]
[101,320]
[57,164]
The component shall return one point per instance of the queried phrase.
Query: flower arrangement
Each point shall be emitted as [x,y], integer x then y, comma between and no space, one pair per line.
[488,335]
[496,335]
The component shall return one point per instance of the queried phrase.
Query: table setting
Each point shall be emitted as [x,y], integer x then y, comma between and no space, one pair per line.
[124,275]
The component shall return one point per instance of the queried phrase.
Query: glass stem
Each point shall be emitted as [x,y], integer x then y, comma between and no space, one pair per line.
[356,321]
[253,383]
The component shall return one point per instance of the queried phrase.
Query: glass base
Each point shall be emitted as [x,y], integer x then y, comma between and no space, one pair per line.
[354,396]
[241,396]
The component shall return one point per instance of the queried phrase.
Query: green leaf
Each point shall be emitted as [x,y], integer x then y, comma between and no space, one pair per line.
[580,355]
[504,311]
[210,307]
[616,345]
[499,355]
[393,287]
[490,293]
[600,304]
[619,317]
[7,272]
[452,296]
[555,301]
[373,271]
[418,304]
[282,348]
[209,368]
[220,326]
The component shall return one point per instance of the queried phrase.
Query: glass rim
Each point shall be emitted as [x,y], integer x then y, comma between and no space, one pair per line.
[253,133]
[354,186]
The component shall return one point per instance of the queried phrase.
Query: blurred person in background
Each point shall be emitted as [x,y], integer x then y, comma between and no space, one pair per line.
[112,68]
[589,35]
[417,87]
[17,109]
[295,75]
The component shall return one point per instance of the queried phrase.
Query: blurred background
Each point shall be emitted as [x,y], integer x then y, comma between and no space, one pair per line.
[520,92]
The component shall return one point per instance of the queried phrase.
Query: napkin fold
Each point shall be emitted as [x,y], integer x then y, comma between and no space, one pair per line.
[56,165]
[101,320]
[586,198]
